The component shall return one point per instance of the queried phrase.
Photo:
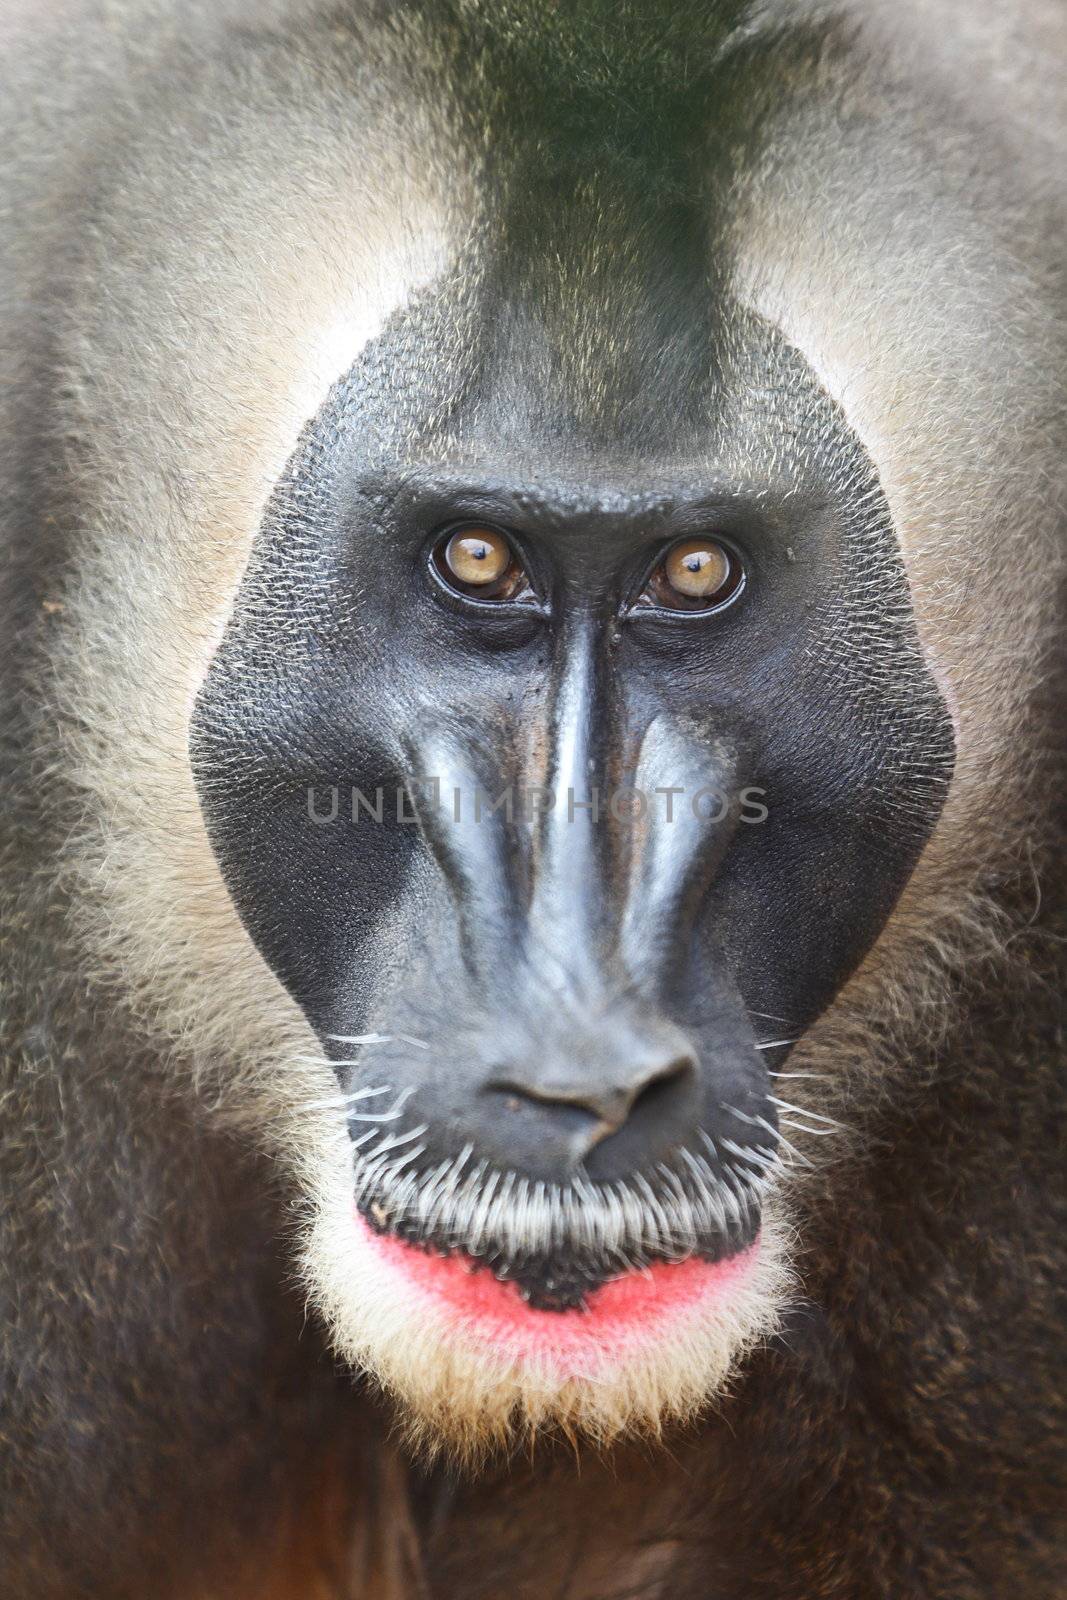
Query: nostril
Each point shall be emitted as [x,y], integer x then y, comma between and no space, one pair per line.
[653,1097]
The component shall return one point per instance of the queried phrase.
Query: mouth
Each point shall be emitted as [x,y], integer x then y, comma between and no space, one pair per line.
[609,1324]
[561,1278]
[556,1247]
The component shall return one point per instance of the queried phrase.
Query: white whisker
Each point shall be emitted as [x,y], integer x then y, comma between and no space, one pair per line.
[776,1133]
[397,1139]
[385,1116]
[325,1061]
[803,1111]
[801,1127]
[393,1167]
[360,1038]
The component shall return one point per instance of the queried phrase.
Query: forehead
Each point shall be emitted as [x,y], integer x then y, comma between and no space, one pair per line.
[466,389]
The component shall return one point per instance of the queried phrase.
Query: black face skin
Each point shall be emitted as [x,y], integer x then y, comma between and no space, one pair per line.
[590,997]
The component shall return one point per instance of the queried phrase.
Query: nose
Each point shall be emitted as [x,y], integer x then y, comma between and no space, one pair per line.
[580,1099]
[610,1101]
[603,1098]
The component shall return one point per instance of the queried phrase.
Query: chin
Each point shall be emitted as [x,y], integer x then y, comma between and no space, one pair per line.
[473,1368]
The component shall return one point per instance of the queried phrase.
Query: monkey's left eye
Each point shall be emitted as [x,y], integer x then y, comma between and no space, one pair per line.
[478,561]
[695,575]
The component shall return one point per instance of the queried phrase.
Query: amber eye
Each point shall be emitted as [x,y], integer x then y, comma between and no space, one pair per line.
[696,575]
[477,555]
[479,561]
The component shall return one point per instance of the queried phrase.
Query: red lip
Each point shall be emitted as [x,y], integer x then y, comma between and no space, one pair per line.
[624,1313]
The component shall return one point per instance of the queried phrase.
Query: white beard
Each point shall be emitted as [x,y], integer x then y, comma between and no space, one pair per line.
[467,1384]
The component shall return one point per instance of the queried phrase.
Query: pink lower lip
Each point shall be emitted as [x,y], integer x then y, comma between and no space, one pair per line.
[622,1312]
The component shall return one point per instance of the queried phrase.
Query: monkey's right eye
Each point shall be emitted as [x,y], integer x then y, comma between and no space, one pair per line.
[478,562]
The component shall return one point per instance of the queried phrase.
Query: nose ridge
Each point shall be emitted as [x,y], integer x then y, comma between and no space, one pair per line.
[682,850]
[452,786]
[571,889]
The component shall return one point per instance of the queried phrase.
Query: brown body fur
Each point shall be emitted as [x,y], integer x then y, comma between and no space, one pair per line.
[171,1423]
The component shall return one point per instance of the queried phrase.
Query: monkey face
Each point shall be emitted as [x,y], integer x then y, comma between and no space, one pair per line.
[563,774]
